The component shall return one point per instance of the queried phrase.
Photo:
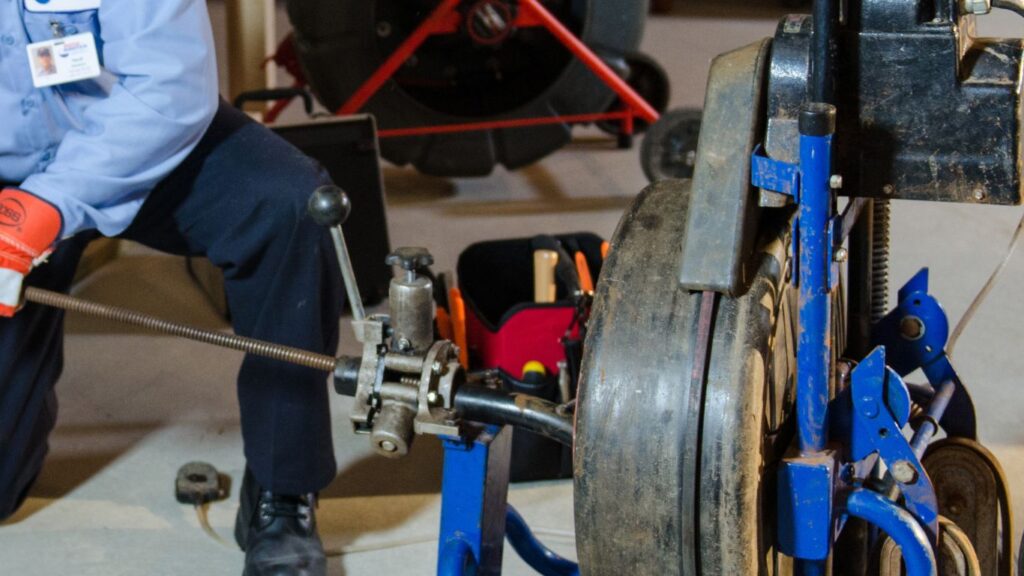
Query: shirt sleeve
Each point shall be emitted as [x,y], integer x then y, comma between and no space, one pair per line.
[161,55]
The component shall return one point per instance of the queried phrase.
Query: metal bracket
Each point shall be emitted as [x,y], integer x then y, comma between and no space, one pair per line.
[371,333]
[783,178]
[875,390]
[914,335]
[805,504]
[774,175]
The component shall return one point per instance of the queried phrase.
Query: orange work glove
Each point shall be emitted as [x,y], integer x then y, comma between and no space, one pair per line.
[29,230]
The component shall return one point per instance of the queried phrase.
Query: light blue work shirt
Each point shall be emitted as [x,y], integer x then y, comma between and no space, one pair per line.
[96,148]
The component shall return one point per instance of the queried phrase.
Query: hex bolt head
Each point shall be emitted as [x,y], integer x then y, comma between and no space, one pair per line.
[841,254]
[888,189]
[835,182]
[903,472]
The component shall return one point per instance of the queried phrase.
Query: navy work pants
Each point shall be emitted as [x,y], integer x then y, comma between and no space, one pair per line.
[240,200]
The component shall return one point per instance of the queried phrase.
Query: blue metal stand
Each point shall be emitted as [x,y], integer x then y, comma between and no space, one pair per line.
[475,515]
[474,490]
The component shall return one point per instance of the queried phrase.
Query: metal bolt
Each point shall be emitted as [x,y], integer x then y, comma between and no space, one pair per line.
[911,328]
[437,367]
[404,344]
[904,472]
[888,189]
[836,182]
[691,158]
[979,194]
[388,446]
[841,254]
[976,7]
[432,397]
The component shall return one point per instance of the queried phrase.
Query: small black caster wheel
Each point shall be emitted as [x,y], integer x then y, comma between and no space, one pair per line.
[650,81]
[669,149]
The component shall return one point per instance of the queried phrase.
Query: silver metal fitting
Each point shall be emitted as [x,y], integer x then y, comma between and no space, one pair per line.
[976,7]
[841,254]
[904,472]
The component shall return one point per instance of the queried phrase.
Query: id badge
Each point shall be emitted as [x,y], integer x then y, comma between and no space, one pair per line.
[64,60]
[61,5]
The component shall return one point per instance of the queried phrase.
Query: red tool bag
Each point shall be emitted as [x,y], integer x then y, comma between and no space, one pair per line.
[506,327]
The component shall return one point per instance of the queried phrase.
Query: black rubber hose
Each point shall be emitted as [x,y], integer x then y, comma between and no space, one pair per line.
[520,410]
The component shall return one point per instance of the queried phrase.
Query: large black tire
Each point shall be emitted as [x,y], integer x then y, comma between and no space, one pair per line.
[340,46]
[671,478]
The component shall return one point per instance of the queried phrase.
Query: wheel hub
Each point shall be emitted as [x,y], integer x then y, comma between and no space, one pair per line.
[490,22]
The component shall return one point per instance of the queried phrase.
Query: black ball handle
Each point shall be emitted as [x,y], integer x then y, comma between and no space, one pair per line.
[329,206]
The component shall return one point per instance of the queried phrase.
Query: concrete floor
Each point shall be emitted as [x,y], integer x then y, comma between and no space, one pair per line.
[136,406]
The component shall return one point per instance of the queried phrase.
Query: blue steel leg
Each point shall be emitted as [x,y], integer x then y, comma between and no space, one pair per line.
[533,552]
[456,559]
[473,500]
[817,125]
[814,355]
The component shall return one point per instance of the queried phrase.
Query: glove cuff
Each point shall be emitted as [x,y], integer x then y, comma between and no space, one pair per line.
[10,290]
[29,225]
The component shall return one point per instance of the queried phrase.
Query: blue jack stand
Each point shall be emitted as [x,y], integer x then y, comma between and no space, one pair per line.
[475,515]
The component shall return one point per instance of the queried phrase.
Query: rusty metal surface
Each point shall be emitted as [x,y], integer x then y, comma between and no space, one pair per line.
[724,206]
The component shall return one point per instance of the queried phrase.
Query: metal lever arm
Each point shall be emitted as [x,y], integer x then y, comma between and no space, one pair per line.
[329,206]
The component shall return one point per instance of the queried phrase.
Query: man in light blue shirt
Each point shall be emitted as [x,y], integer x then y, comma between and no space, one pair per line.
[145,150]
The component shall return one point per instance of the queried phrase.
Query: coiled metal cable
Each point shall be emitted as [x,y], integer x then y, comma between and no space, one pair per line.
[881,213]
[252,346]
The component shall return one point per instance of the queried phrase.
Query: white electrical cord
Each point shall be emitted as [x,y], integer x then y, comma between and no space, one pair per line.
[983,294]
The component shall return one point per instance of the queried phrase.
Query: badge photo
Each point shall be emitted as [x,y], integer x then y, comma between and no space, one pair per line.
[64,60]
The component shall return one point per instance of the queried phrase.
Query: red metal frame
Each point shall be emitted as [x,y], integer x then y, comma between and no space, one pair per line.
[445,19]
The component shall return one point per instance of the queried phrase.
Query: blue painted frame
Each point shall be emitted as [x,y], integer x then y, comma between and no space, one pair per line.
[475,515]
[821,481]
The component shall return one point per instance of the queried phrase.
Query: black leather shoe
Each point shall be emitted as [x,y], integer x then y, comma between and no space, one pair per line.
[278,533]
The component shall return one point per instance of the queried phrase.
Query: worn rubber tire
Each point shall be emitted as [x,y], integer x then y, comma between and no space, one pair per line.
[671,479]
[1020,557]
[337,45]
